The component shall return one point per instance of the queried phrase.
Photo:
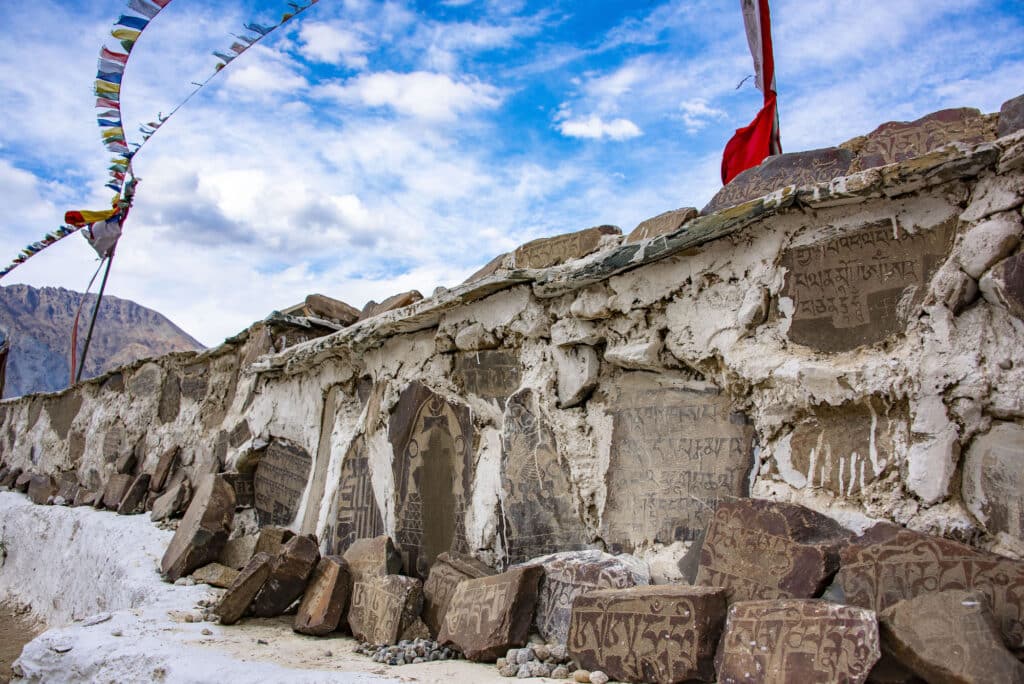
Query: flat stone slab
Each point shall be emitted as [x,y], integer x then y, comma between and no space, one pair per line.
[448,571]
[1011,116]
[134,500]
[888,564]
[950,636]
[547,252]
[375,557]
[216,575]
[662,224]
[797,640]
[332,309]
[203,531]
[326,599]
[244,486]
[758,549]
[279,482]
[272,539]
[243,590]
[383,609]
[239,551]
[359,515]
[993,479]
[164,465]
[288,576]
[661,634]
[171,502]
[115,490]
[41,488]
[489,615]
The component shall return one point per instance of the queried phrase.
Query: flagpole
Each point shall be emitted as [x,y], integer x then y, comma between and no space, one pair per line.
[95,311]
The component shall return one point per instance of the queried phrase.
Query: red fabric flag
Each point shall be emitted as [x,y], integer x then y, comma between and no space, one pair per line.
[750,145]
[114,56]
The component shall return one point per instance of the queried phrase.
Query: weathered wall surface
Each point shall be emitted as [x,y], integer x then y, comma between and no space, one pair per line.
[856,346]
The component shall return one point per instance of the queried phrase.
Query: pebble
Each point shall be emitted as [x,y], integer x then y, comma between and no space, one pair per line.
[407,652]
[581,676]
[96,619]
[508,670]
[116,633]
[560,672]
[542,652]
[598,677]
[524,656]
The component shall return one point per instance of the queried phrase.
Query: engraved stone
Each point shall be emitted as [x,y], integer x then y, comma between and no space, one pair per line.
[432,440]
[662,634]
[216,575]
[134,499]
[358,514]
[272,539]
[244,486]
[326,599]
[288,576]
[662,224]
[1004,285]
[171,502]
[547,252]
[993,481]
[888,564]
[537,503]
[280,480]
[383,609]
[490,374]
[900,140]
[41,488]
[332,309]
[116,487]
[489,615]
[145,382]
[779,171]
[170,399]
[240,434]
[239,551]
[397,301]
[243,590]
[167,461]
[677,448]
[373,558]
[114,443]
[195,382]
[844,448]
[63,411]
[568,575]
[203,531]
[757,549]
[1011,116]
[488,269]
[445,575]
[577,370]
[950,636]
[797,640]
[861,288]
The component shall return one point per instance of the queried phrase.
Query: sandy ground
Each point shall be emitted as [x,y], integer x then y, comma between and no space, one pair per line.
[17,628]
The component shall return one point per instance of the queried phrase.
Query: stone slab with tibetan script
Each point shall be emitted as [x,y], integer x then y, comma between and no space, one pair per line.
[432,439]
[677,448]
[279,482]
[385,610]
[861,288]
[447,573]
[489,374]
[547,252]
[358,514]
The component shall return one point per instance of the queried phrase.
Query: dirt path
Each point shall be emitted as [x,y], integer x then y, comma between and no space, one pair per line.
[16,630]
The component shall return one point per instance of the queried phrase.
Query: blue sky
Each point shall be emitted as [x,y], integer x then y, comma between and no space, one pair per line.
[372,147]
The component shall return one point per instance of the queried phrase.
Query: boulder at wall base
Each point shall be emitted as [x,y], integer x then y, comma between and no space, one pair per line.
[164,465]
[203,531]
[171,502]
[243,590]
[239,551]
[8,478]
[680,629]
[797,640]
[134,499]
[385,610]
[41,488]
[216,575]
[448,571]
[288,577]
[490,615]
[326,599]
[22,482]
[115,490]
[373,557]
[272,539]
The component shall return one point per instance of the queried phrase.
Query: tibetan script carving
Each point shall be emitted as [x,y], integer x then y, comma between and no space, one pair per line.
[279,482]
[490,374]
[358,514]
[551,251]
[383,608]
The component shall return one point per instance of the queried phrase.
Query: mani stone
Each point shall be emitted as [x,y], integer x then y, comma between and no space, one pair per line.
[242,483]
[170,399]
[134,499]
[432,439]
[171,502]
[569,575]
[67,486]
[539,516]
[288,576]
[676,449]
[203,531]
[993,479]
[552,251]
[661,634]
[844,448]
[384,609]
[888,564]
[358,514]
[8,479]
[164,465]
[1003,285]
[243,590]
[373,558]
[448,571]
[1011,116]
[397,301]
[279,482]
[41,488]
[662,224]
[797,640]
[326,598]
[272,539]
[332,309]
[757,549]
[238,551]
[115,490]
[488,616]
[861,287]
[216,575]
[948,638]
[22,482]
[489,374]
[779,171]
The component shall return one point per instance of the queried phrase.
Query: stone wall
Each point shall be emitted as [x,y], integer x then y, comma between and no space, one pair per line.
[855,345]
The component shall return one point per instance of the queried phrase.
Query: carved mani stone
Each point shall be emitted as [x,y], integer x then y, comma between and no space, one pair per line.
[662,224]
[897,141]
[1011,116]
[134,499]
[446,574]
[758,549]
[537,506]
[115,490]
[384,609]
[167,461]
[326,598]
[677,448]
[797,640]
[171,502]
[568,575]
[243,590]
[279,482]
[489,615]
[552,251]
[490,374]
[288,576]
[244,486]
[358,514]
[272,539]
[661,634]
[203,531]
[949,637]
[889,563]
[41,488]
[216,575]
[861,287]
[432,440]
[993,481]
[239,551]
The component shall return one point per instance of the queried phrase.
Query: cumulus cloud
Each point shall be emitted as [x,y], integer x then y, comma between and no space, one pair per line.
[697,114]
[332,43]
[596,128]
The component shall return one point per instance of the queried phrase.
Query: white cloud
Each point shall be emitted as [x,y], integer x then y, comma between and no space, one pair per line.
[420,94]
[333,44]
[697,114]
[596,128]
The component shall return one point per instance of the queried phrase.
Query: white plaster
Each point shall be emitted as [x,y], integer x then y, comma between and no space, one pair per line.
[481,525]
[988,242]
[381,455]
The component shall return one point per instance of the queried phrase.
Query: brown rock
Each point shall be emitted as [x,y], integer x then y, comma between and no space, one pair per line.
[489,615]
[447,573]
[797,640]
[239,551]
[170,399]
[22,482]
[489,374]
[326,599]
[126,462]
[67,487]
[41,488]
[170,503]
[9,478]
[332,309]
[216,575]
[85,497]
[240,434]
[546,252]
[758,549]
[373,557]
[272,539]
[660,634]
[948,638]
[288,577]
[243,590]
[384,609]
[393,302]
[888,564]
[1011,116]
[203,531]
[164,465]
[662,224]
[134,499]
[243,484]
[1004,285]
[279,482]
[488,269]
[117,487]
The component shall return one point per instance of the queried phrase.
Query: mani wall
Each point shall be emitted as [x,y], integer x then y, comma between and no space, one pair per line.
[842,328]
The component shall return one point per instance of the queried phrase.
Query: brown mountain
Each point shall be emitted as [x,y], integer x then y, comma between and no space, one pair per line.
[37,323]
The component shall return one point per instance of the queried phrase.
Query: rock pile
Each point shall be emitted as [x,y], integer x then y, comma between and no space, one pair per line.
[408,652]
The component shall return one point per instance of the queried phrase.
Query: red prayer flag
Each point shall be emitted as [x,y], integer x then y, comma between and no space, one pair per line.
[114,56]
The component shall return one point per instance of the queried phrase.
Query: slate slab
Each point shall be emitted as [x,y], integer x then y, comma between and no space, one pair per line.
[358,513]
[448,571]
[203,531]
[288,576]
[115,490]
[272,539]
[1011,116]
[41,488]
[164,465]
[332,309]
[326,599]
[662,224]
[373,557]
[279,482]
[243,590]
[547,252]
[243,484]
[216,575]
[134,500]
[239,551]
[172,502]
[384,608]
